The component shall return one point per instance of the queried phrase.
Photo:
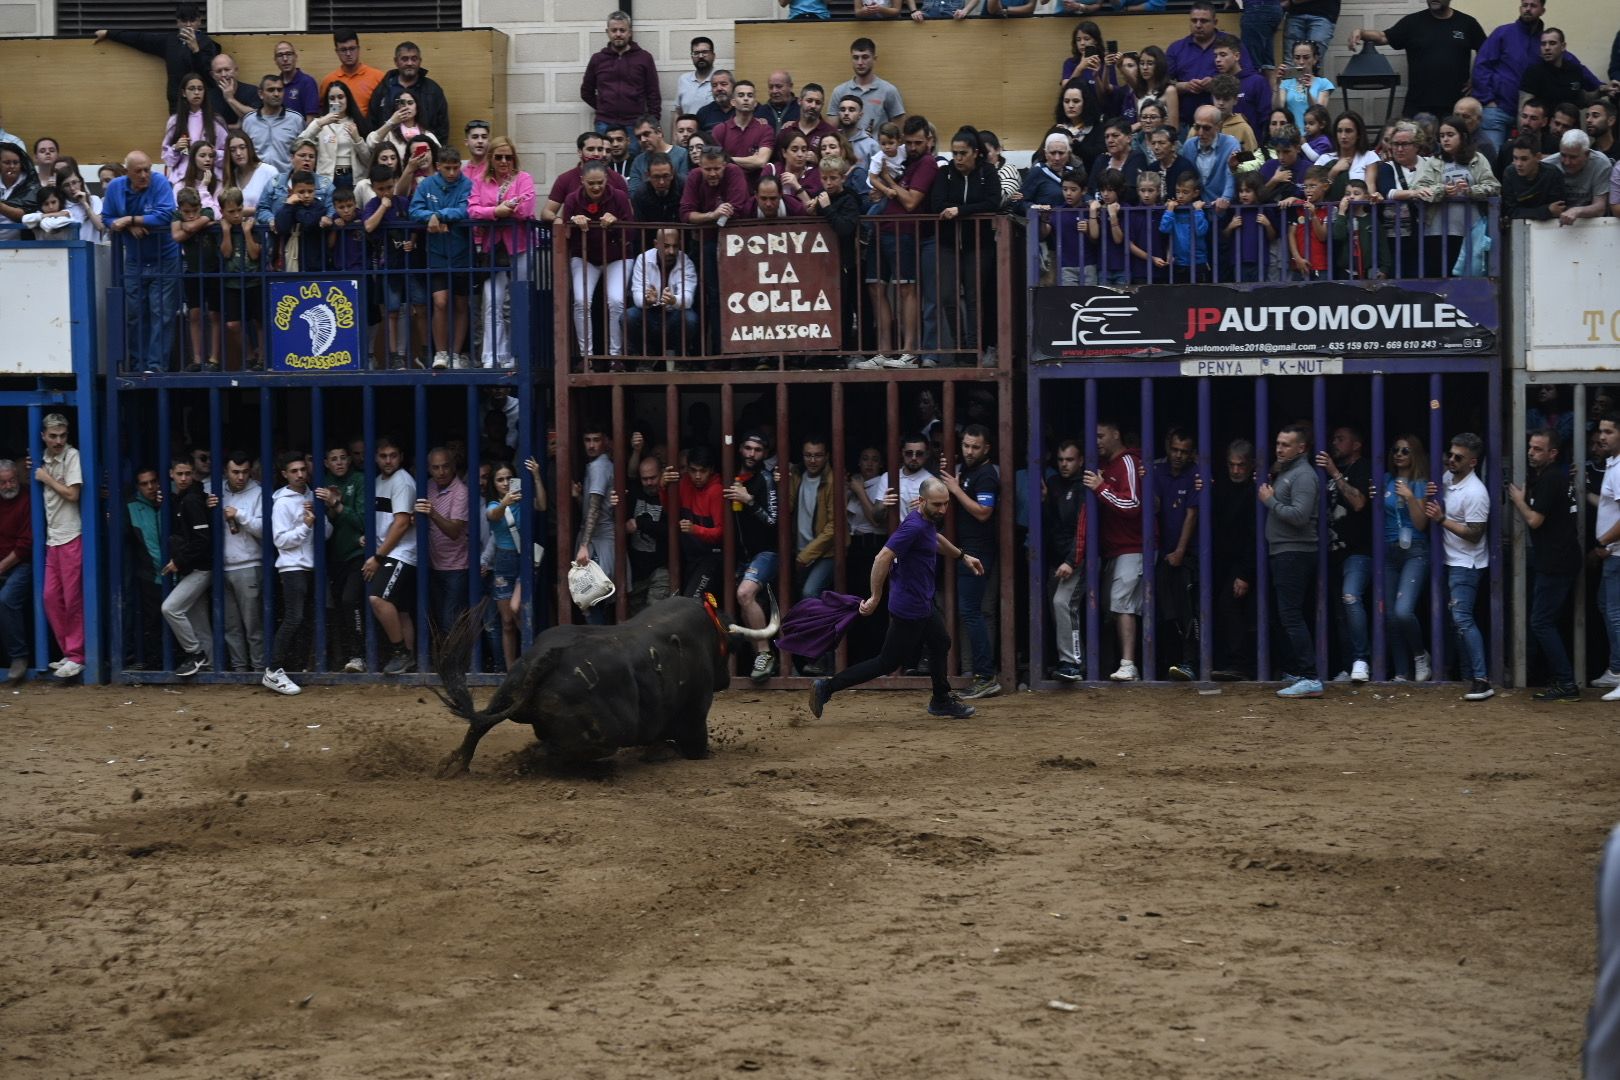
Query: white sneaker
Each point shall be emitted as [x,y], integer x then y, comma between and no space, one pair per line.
[356,664]
[1341,677]
[1612,695]
[68,668]
[54,664]
[878,361]
[1421,669]
[1359,672]
[1126,673]
[461,362]
[441,361]
[989,357]
[277,680]
[904,360]
[1608,678]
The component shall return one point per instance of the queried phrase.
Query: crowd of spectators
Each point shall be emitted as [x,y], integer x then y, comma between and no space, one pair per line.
[1204,158]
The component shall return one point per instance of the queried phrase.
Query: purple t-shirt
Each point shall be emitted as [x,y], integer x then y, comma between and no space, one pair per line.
[1175,496]
[911,583]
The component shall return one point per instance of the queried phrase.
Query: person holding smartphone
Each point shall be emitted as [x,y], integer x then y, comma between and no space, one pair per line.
[186,50]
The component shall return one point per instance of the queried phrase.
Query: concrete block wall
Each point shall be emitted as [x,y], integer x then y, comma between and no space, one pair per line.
[553,39]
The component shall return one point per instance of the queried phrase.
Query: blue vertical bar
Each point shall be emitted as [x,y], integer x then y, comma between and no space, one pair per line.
[1493,486]
[1437,551]
[117,463]
[216,519]
[1093,567]
[1376,453]
[1037,523]
[1324,542]
[165,456]
[317,451]
[267,545]
[475,518]
[81,273]
[1262,568]
[1148,621]
[424,561]
[1206,529]
[36,492]
[368,421]
[528,446]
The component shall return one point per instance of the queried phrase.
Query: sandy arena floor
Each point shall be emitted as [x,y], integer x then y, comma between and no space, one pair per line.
[217,883]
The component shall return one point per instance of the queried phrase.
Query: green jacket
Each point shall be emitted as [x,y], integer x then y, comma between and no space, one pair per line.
[348,538]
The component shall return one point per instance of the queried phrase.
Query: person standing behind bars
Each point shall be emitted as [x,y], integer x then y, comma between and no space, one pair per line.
[1291,536]
[1462,517]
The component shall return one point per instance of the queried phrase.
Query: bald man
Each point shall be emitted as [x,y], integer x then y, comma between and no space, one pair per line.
[137,209]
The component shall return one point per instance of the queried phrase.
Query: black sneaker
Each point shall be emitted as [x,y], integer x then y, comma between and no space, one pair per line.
[1479,691]
[400,662]
[191,664]
[950,708]
[1069,672]
[819,693]
[983,686]
[1182,673]
[1558,693]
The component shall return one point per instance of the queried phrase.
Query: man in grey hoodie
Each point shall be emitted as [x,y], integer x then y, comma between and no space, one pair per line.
[1291,537]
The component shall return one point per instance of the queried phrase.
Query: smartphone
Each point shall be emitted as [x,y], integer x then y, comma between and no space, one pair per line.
[1111,47]
[515,486]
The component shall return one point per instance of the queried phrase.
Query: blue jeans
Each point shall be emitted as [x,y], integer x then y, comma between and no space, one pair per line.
[819,578]
[1355,572]
[928,275]
[1291,579]
[151,302]
[1462,592]
[1546,608]
[1300,28]
[15,594]
[1406,572]
[447,597]
[970,609]
[1495,125]
[1609,605]
[1259,29]
[661,331]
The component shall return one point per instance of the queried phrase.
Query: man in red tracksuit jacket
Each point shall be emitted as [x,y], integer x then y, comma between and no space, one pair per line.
[1119,504]
[701,513]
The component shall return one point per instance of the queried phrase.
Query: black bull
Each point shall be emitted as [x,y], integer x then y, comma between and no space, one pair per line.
[589,691]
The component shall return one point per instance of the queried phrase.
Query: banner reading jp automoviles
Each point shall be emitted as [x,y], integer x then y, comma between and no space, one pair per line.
[1324,318]
[778,287]
[315,326]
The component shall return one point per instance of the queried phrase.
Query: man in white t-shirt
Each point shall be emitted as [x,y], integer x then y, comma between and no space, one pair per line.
[60,477]
[1608,549]
[914,456]
[1462,519]
[391,571]
[597,542]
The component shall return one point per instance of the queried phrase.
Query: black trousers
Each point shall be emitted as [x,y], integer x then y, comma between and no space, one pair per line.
[291,648]
[906,639]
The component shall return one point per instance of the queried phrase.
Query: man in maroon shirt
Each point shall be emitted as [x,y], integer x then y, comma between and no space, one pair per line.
[748,139]
[716,192]
[16,570]
[592,147]
[1119,501]
[906,252]
[621,81]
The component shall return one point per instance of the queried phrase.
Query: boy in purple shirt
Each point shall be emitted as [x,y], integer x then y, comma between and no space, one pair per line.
[914,624]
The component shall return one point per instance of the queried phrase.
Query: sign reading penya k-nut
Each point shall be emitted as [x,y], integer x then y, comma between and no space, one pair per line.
[779,287]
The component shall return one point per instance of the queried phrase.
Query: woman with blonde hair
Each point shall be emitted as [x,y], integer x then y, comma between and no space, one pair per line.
[504,196]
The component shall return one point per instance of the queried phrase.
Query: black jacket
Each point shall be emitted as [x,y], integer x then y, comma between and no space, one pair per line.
[1065,499]
[191,534]
[1234,530]
[24,197]
[653,207]
[1529,199]
[843,212]
[432,110]
[178,60]
[976,192]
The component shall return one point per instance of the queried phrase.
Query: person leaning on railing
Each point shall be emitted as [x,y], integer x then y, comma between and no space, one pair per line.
[504,195]
[1457,173]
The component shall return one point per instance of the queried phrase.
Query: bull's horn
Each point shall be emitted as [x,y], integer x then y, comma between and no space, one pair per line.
[767,633]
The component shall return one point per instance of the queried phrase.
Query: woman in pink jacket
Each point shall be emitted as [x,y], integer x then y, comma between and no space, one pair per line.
[193,121]
[505,196]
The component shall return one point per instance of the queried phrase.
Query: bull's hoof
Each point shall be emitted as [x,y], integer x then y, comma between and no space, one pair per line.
[453,766]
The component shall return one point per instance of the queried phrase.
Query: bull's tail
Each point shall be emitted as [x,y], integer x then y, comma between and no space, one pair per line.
[450,662]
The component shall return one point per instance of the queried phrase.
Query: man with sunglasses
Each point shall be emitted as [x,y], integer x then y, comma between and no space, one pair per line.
[914,471]
[1462,518]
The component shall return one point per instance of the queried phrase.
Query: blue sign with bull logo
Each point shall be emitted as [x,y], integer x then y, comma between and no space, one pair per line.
[315,326]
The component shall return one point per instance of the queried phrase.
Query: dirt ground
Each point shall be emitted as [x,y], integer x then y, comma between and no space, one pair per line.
[217,883]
